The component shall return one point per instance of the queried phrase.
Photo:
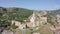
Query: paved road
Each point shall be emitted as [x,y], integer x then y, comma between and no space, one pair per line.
[23,31]
[6,32]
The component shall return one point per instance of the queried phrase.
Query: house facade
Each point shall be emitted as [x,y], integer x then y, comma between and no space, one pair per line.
[20,26]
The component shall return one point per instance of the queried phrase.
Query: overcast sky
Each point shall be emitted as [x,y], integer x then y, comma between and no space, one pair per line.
[32,4]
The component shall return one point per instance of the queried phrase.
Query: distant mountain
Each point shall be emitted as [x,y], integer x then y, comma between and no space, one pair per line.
[18,14]
[55,11]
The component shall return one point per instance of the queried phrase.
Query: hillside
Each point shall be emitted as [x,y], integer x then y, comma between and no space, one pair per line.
[19,14]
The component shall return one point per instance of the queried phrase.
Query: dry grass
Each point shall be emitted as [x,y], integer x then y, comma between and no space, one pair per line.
[45,29]
[17,31]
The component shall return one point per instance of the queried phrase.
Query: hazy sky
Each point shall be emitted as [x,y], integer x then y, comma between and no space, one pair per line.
[32,4]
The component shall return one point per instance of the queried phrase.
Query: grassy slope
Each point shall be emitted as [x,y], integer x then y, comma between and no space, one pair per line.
[28,32]
[17,31]
[45,29]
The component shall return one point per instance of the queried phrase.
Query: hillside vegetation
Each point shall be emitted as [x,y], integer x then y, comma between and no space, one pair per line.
[9,14]
[19,14]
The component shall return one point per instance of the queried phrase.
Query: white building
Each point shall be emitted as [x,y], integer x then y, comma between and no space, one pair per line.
[32,21]
[35,21]
[58,17]
[20,26]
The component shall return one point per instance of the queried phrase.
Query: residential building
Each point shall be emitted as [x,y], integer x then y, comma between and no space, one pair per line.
[20,26]
[37,19]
